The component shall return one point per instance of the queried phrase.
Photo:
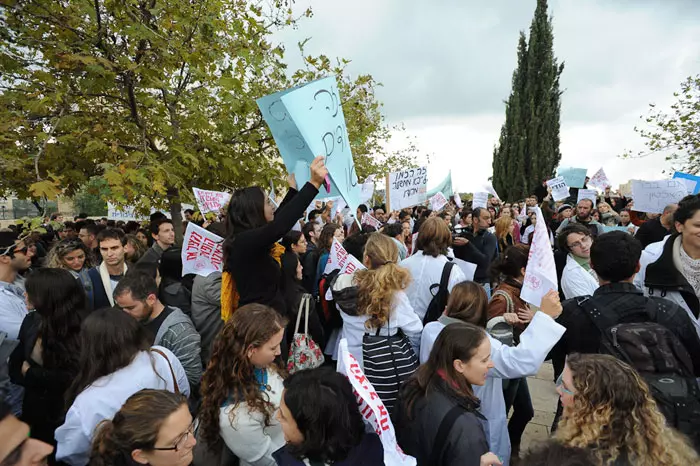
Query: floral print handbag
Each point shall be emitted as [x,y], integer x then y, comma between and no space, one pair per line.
[304,353]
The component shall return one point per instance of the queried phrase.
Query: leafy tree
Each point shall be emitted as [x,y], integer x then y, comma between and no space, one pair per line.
[152,96]
[528,148]
[678,132]
[90,199]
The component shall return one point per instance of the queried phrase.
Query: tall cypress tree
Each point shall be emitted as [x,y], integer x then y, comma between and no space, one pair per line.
[528,147]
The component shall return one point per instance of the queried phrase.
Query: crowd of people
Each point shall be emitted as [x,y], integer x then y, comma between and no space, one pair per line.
[111,357]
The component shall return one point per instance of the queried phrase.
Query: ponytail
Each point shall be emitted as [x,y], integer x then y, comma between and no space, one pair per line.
[377,285]
[105,451]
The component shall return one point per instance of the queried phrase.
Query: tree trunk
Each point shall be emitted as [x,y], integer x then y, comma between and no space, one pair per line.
[176,214]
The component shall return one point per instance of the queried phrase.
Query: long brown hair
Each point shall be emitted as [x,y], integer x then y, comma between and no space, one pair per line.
[614,414]
[469,303]
[134,427]
[456,341]
[229,374]
[377,285]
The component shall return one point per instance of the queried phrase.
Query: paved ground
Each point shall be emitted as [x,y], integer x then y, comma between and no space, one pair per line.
[544,400]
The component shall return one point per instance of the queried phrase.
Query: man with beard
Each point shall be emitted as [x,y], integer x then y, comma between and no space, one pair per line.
[584,209]
[137,295]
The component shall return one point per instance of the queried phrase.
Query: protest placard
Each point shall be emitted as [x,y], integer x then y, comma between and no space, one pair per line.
[367,189]
[367,219]
[438,201]
[122,213]
[692,182]
[210,201]
[600,180]
[458,200]
[591,194]
[407,187]
[338,258]
[541,271]
[372,408]
[480,200]
[626,189]
[654,196]
[202,251]
[574,177]
[307,121]
[560,190]
[468,268]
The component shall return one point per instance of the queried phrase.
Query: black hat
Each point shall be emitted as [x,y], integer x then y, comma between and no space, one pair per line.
[564,207]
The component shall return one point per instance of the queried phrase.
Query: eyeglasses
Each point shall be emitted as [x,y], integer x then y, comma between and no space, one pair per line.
[560,385]
[182,440]
[12,250]
[578,244]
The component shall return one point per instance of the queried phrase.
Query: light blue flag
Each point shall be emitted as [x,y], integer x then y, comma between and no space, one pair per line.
[692,182]
[574,177]
[445,187]
[308,121]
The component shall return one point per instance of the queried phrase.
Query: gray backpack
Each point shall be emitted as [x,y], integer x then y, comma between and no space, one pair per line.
[497,327]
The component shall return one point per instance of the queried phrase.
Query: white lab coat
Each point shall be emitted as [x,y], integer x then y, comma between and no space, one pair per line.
[576,281]
[427,271]
[509,363]
[105,397]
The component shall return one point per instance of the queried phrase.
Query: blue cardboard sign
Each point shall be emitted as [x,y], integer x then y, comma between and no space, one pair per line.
[692,182]
[574,177]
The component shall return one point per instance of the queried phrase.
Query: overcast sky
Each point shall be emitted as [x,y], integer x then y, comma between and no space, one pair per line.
[446,67]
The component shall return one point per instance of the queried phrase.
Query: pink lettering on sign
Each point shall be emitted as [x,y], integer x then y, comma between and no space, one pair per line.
[193,246]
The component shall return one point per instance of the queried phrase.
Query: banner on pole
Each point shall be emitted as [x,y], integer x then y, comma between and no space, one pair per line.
[210,201]
[407,187]
[541,271]
[202,251]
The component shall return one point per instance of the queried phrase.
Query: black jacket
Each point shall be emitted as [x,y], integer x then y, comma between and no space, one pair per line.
[43,405]
[627,303]
[663,277]
[482,250]
[651,231]
[369,452]
[416,431]
[255,271]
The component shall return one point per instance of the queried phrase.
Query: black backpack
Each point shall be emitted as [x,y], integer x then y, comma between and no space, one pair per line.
[439,301]
[662,361]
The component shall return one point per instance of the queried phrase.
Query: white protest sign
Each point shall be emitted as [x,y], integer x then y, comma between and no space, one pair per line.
[541,272]
[202,251]
[591,194]
[338,258]
[560,190]
[210,201]
[408,188]
[468,268]
[271,196]
[480,200]
[367,189]
[367,219]
[458,200]
[372,408]
[438,201]
[121,213]
[599,180]
[654,196]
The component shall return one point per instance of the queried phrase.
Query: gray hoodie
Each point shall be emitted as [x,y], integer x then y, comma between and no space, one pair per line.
[178,334]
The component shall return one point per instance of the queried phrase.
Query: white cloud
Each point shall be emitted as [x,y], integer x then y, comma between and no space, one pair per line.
[446,67]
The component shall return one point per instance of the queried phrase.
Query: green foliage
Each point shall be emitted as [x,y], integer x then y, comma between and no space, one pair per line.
[678,133]
[90,199]
[528,148]
[154,98]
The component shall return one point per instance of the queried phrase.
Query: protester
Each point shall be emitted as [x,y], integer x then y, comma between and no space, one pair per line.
[104,278]
[578,278]
[142,236]
[46,359]
[653,231]
[395,231]
[672,268]
[608,217]
[563,212]
[293,295]
[251,254]
[309,260]
[134,249]
[169,327]
[242,387]
[75,257]
[553,452]
[441,392]
[478,246]
[153,427]
[529,231]
[172,289]
[88,235]
[116,361]
[14,258]
[609,408]
[504,233]
[17,447]
[296,242]
[468,303]
[584,210]
[322,424]
[427,263]
[626,221]
[374,302]
[163,234]
[328,233]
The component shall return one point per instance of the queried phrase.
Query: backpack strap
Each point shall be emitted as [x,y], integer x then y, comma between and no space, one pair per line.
[506,296]
[442,433]
[445,279]
[601,322]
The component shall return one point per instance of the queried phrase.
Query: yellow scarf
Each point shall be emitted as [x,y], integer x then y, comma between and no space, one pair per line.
[229,291]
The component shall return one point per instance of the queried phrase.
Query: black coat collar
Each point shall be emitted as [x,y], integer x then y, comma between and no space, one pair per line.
[662,275]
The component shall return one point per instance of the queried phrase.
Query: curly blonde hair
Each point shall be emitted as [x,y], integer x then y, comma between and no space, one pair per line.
[614,414]
[377,285]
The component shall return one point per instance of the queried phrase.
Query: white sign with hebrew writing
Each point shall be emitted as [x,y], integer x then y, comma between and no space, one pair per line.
[654,196]
[408,188]
[202,251]
[480,200]
[560,190]
[438,201]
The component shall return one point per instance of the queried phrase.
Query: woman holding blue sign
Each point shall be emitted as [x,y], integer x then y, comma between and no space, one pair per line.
[251,252]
